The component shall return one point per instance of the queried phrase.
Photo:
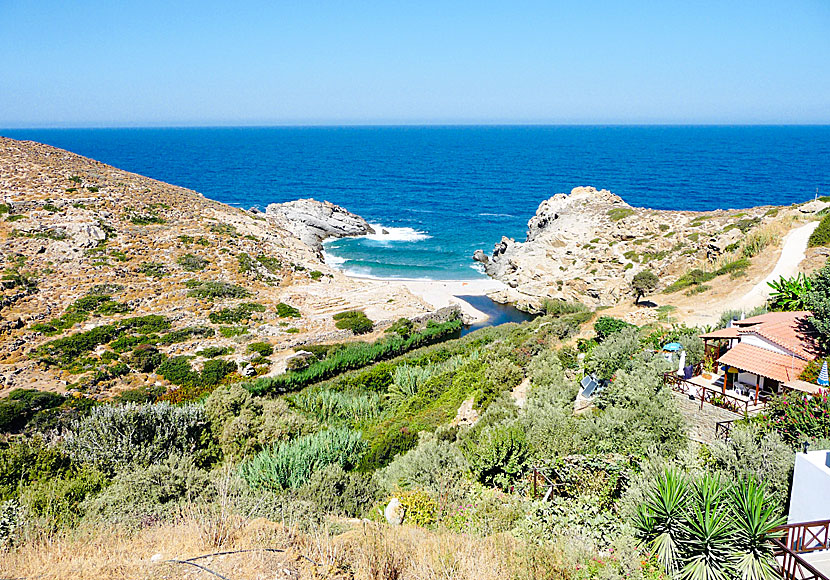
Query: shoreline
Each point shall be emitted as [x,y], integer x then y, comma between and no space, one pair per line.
[443,293]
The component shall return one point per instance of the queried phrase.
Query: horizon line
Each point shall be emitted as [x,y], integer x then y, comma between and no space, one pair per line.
[406,125]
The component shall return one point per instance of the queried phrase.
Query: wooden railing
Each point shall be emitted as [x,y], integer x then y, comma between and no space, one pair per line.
[793,566]
[723,429]
[707,394]
[797,539]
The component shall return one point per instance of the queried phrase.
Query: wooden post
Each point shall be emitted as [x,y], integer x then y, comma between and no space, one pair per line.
[534,483]
[756,389]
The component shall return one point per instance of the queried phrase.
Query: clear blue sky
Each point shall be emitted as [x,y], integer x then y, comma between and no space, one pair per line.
[176,62]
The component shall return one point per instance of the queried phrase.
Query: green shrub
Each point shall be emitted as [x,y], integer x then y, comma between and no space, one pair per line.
[22,404]
[497,457]
[354,356]
[192,263]
[613,353]
[215,370]
[403,327]
[606,326]
[384,450]
[243,424]
[235,314]
[232,331]
[315,275]
[143,218]
[154,492]
[434,465]
[261,348]
[212,290]
[214,351]
[558,307]
[154,269]
[354,320]
[185,334]
[115,437]
[618,213]
[289,465]
[337,492]
[287,311]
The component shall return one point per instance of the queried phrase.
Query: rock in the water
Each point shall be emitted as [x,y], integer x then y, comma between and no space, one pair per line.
[394,512]
[313,221]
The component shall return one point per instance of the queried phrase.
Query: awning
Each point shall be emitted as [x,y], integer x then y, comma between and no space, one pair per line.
[803,386]
[722,333]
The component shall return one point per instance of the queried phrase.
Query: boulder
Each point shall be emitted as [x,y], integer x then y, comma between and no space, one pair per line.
[394,512]
[719,244]
[313,221]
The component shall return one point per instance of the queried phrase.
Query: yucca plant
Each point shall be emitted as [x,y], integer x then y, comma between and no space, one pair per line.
[709,528]
[754,521]
[660,521]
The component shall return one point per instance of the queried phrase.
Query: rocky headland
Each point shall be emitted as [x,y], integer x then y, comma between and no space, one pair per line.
[588,245]
[84,245]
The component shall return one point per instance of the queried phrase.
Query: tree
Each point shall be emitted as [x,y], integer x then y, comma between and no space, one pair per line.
[643,283]
[818,302]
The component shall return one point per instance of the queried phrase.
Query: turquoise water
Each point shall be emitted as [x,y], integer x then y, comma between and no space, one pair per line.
[444,192]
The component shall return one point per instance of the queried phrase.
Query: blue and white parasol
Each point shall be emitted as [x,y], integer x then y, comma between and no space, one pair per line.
[823,378]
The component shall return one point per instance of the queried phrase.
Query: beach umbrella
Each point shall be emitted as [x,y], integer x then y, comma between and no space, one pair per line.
[673,347]
[823,378]
[680,370]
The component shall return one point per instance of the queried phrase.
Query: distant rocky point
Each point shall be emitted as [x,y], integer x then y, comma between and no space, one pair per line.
[589,244]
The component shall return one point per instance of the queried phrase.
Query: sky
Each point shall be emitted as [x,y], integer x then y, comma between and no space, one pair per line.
[285,62]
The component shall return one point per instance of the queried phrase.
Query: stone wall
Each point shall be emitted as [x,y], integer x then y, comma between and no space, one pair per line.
[701,422]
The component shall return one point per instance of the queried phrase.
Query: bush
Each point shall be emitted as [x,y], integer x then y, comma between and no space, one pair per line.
[498,455]
[354,356]
[236,314]
[421,509]
[329,406]
[605,326]
[147,493]
[153,269]
[22,404]
[614,353]
[434,465]
[185,334]
[145,358]
[212,290]
[402,327]
[796,417]
[559,307]
[243,424]
[214,351]
[355,321]
[337,492]
[261,348]
[618,213]
[821,235]
[192,263]
[289,465]
[113,438]
[287,311]
[390,445]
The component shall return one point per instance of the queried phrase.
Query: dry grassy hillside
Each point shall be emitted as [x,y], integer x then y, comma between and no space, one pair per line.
[85,245]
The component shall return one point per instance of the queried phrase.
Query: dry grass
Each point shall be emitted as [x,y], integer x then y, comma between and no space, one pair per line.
[366,551]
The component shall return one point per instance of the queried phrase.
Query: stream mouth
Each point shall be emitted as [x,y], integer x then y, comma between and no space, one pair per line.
[497,313]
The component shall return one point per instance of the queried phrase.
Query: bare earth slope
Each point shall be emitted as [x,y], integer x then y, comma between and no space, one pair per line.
[74,225]
[589,244]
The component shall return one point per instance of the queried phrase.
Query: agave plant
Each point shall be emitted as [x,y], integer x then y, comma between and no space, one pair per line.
[790,294]
[708,531]
[660,521]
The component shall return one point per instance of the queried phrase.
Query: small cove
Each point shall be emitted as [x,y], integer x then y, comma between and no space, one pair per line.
[497,313]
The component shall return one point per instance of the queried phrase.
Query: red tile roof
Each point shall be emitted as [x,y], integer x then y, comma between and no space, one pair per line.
[731,332]
[789,330]
[773,365]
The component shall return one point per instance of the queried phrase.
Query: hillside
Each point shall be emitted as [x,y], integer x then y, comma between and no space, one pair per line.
[85,245]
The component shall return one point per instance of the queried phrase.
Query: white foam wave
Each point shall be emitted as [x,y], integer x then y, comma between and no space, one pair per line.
[396,234]
[332,260]
[478,267]
[497,214]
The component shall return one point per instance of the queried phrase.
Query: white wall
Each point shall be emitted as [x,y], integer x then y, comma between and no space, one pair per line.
[761,342]
[810,495]
[748,378]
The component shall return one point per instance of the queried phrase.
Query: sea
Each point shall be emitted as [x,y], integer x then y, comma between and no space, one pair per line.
[443,192]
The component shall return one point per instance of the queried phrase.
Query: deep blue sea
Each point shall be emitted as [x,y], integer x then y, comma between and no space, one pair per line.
[443,192]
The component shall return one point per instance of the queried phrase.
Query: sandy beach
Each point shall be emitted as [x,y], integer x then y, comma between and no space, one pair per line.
[442,293]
